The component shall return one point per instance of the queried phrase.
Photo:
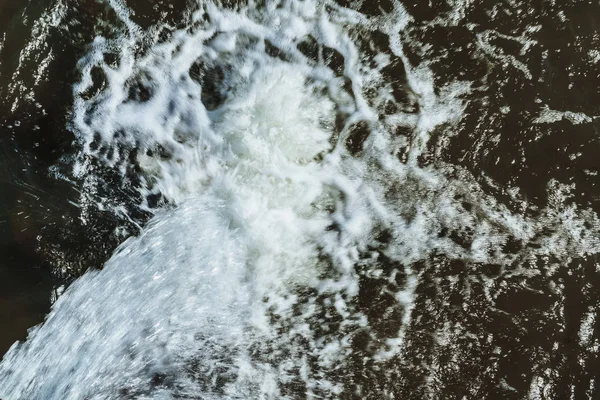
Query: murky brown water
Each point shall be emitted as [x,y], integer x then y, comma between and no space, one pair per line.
[528,330]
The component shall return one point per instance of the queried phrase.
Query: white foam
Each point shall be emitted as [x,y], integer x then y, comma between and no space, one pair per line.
[35,52]
[233,289]
[252,203]
[548,116]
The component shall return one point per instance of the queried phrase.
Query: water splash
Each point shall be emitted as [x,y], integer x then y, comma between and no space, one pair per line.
[289,199]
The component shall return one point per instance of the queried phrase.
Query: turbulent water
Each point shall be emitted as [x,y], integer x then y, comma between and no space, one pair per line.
[321,200]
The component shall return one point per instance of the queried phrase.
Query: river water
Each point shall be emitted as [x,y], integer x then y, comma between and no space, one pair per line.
[289,199]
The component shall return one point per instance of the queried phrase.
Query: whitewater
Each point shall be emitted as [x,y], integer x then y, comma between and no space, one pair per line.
[268,145]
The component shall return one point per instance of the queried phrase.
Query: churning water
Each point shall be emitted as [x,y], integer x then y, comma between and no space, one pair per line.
[284,150]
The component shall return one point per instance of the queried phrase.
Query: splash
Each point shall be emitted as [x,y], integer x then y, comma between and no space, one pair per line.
[267,142]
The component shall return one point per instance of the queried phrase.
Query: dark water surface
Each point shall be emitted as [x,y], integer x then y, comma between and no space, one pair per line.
[541,324]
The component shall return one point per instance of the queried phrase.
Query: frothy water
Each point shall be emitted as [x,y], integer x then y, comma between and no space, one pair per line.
[267,142]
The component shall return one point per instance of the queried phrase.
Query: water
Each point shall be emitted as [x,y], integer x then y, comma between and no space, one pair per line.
[314,200]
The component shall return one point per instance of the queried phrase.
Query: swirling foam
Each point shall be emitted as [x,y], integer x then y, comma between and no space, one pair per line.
[285,189]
